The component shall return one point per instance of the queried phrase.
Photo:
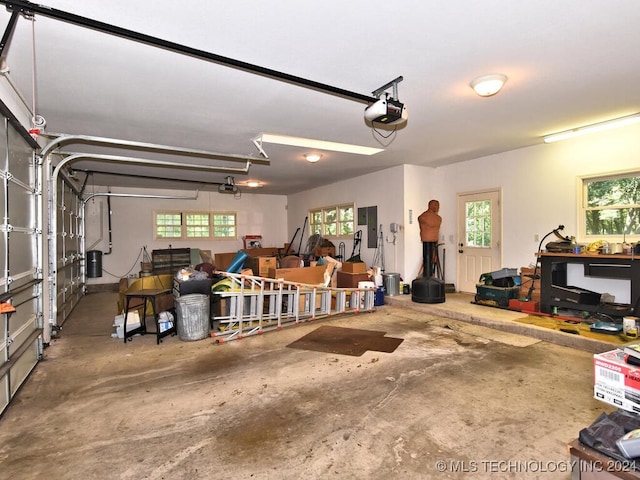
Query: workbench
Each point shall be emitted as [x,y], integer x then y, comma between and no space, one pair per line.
[146,296]
[553,271]
[589,464]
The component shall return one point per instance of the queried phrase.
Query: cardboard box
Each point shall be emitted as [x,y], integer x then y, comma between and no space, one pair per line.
[354,267]
[223,260]
[325,252]
[261,265]
[615,381]
[526,281]
[133,322]
[351,280]
[309,275]
[261,252]
[527,277]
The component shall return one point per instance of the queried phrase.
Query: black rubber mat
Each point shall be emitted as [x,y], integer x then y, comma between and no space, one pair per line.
[346,341]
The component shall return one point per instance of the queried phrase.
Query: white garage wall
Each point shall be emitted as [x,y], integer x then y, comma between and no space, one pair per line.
[384,189]
[538,185]
[539,193]
[132,225]
[421,186]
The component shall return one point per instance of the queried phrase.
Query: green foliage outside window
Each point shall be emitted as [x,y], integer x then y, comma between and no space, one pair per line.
[332,221]
[169,225]
[612,206]
[195,225]
[346,220]
[224,225]
[478,224]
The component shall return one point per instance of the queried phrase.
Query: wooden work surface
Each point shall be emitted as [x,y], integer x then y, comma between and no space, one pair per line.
[589,255]
[160,296]
[599,465]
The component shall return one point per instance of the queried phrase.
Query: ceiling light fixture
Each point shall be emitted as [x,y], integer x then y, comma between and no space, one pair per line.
[312,144]
[312,157]
[253,184]
[593,128]
[488,85]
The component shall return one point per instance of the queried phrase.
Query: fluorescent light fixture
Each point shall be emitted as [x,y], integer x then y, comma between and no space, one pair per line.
[316,144]
[488,85]
[593,128]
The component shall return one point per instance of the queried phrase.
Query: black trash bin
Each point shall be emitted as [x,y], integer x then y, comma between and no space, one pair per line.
[94,263]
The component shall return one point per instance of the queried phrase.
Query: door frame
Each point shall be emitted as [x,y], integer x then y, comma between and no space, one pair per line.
[493,193]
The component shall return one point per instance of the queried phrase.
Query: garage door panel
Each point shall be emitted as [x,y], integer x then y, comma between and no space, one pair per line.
[20,331]
[5,396]
[20,157]
[24,364]
[22,323]
[22,246]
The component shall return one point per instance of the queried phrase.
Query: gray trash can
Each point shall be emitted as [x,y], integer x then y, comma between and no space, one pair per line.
[192,313]
[391,283]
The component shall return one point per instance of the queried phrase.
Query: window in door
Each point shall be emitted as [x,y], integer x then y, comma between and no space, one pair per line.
[478,224]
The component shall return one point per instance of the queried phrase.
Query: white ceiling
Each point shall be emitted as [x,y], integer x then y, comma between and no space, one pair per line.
[569,63]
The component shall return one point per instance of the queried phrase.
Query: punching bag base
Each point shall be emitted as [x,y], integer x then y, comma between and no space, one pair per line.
[427,290]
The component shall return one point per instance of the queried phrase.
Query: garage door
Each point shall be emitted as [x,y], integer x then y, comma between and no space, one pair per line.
[20,285]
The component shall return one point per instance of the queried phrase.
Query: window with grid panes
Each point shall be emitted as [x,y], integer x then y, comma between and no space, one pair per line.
[224,225]
[333,221]
[610,207]
[195,225]
[168,225]
[478,224]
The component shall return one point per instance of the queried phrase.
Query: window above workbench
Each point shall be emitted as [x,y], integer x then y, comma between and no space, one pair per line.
[610,207]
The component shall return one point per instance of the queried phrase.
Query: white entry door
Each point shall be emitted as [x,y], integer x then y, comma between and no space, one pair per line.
[479,233]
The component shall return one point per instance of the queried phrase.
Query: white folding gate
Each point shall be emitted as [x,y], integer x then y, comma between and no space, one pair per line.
[253,305]
[20,247]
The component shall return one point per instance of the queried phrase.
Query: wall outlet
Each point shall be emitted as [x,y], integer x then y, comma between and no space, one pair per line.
[536,238]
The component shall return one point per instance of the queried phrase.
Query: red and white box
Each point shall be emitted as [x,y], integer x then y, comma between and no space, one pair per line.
[615,381]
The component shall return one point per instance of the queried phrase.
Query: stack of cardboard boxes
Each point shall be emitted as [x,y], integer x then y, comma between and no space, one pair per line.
[527,275]
[351,274]
[260,265]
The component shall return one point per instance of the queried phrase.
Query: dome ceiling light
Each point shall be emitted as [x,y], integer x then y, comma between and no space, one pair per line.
[312,157]
[488,85]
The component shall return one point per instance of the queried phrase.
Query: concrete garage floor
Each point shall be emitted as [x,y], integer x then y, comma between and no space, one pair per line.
[455,400]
